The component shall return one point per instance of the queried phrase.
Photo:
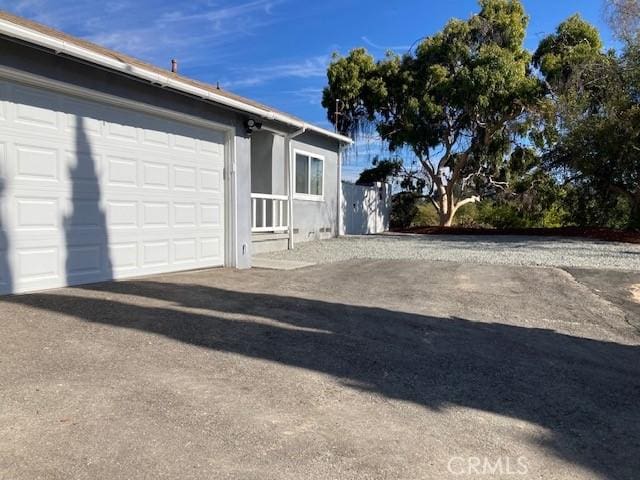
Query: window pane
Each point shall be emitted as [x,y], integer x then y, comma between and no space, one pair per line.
[316,176]
[302,173]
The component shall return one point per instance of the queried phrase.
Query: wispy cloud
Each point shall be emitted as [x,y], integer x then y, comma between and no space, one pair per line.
[385,47]
[220,13]
[155,29]
[311,95]
[312,67]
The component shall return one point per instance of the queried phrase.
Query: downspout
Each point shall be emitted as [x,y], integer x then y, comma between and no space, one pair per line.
[290,180]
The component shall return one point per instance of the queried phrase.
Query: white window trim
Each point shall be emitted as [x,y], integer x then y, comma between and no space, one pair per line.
[308,196]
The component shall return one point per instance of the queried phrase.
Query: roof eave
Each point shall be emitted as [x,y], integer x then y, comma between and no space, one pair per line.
[60,46]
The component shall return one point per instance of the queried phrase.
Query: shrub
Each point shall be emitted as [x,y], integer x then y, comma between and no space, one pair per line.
[426,216]
[501,215]
[404,208]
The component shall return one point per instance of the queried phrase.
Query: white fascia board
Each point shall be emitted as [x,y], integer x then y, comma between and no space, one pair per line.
[60,46]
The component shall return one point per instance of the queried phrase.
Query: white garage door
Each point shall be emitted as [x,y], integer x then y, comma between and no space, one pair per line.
[90,191]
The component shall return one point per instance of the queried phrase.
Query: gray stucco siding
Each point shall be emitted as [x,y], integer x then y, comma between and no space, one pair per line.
[268,172]
[315,219]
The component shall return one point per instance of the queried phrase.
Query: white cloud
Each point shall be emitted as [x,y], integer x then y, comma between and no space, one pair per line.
[313,67]
[220,13]
[311,95]
[385,47]
[155,29]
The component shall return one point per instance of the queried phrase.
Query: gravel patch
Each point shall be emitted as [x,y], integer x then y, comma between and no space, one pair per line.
[494,250]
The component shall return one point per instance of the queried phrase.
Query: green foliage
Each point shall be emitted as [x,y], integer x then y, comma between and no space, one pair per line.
[575,43]
[426,215]
[546,140]
[501,215]
[498,214]
[465,92]
[597,143]
[404,208]
[467,216]
[589,207]
[382,171]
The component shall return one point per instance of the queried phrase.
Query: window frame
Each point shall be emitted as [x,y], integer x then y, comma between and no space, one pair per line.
[310,156]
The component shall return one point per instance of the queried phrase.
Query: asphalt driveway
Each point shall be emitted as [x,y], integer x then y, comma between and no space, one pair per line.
[360,369]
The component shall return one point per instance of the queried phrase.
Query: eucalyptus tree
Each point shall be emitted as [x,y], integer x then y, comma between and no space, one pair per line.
[460,101]
[597,128]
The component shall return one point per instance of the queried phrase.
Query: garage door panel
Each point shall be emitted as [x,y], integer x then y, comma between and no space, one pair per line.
[4,164]
[210,215]
[184,178]
[38,264]
[4,270]
[210,180]
[184,143]
[4,100]
[122,214]
[123,256]
[37,213]
[36,163]
[154,133]
[85,259]
[185,250]
[155,214]
[85,213]
[82,166]
[82,117]
[122,171]
[34,107]
[185,214]
[91,192]
[210,249]
[155,253]
[119,127]
[155,175]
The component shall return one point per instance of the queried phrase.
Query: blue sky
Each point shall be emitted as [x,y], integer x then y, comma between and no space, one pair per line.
[274,51]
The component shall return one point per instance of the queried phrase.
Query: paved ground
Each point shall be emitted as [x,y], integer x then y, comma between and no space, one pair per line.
[363,369]
[495,250]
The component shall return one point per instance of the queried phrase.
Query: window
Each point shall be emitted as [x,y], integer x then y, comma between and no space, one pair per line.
[309,175]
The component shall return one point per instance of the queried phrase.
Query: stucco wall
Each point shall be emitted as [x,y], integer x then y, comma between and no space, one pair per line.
[261,162]
[314,220]
[268,174]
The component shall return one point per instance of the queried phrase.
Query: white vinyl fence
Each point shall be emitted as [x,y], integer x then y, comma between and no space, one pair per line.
[365,209]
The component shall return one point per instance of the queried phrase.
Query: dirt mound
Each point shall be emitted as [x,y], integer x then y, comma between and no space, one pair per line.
[609,235]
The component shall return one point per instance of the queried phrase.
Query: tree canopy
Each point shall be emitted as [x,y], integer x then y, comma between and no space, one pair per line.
[381,171]
[598,118]
[556,131]
[457,102]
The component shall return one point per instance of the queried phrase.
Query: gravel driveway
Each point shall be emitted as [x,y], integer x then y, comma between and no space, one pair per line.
[496,250]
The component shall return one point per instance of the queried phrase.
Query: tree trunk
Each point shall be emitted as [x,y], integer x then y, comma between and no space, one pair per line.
[445,212]
[446,218]
[447,209]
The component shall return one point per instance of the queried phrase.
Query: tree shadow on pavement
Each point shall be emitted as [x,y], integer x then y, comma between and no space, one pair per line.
[585,392]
